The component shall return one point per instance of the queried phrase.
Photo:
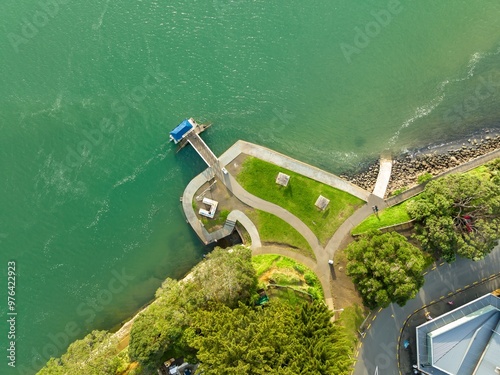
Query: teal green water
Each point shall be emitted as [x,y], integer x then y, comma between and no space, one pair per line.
[90,186]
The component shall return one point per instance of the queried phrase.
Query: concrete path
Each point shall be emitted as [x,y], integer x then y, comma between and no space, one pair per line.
[384,175]
[321,267]
[294,165]
[237,215]
[344,231]
[187,206]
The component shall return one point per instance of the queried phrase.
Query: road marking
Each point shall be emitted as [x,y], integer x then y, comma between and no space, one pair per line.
[465,287]
[484,278]
[430,303]
[450,293]
[441,263]
[442,297]
[425,273]
[459,289]
[379,310]
[475,282]
[400,330]
[374,317]
[369,325]
[433,268]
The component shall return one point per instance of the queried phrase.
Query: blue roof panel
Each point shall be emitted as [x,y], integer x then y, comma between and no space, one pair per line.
[181,130]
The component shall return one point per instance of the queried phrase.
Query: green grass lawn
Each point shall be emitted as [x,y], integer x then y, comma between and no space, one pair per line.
[351,318]
[259,178]
[287,272]
[389,216]
[219,220]
[272,229]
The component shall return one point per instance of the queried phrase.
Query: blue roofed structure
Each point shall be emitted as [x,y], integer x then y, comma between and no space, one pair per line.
[464,341]
[181,131]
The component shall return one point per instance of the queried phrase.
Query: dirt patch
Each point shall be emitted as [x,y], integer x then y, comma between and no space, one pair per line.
[343,289]
[217,191]
[234,167]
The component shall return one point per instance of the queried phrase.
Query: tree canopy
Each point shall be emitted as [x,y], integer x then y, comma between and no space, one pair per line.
[385,268]
[95,354]
[226,277]
[271,340]
[458,214]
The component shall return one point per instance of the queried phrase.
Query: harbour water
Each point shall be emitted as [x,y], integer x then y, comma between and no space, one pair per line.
[90,185]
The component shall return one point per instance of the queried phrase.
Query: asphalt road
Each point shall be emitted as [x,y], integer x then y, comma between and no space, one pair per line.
[379,347]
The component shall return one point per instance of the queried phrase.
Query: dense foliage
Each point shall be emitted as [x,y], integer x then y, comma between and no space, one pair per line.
[93,355]
[271,340]
[225,277]
[458,214]
[385,268]
[210,318]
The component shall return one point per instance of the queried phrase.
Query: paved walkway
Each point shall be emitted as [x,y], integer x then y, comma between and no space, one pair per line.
[237,215]
[384,175]
[294,165]
[321,267]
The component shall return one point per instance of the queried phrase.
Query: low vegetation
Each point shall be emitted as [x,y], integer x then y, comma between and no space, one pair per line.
[95,354]
[273,230]
[351,319]
[283,271]
[390,216]
[259,178]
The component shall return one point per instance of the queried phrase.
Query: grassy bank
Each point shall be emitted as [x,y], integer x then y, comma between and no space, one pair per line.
[258,177]
[351,319]
[273,230]
[389,216]
[283,271]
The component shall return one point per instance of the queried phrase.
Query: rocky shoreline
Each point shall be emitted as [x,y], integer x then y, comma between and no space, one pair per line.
[408,166]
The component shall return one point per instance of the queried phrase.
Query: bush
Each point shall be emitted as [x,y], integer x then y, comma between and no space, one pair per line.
[399,191]
[424,177]
[310,279]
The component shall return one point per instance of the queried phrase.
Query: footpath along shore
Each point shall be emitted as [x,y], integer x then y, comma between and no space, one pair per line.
[468,159]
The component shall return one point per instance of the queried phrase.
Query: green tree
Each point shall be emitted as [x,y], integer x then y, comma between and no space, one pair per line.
[226,277]
[271,340]
[244,340]
[95,354]
[385,268]
[458,214]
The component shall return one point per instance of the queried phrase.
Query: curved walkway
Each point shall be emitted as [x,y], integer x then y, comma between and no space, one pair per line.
[274,157]
[321,267]
[237,215]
